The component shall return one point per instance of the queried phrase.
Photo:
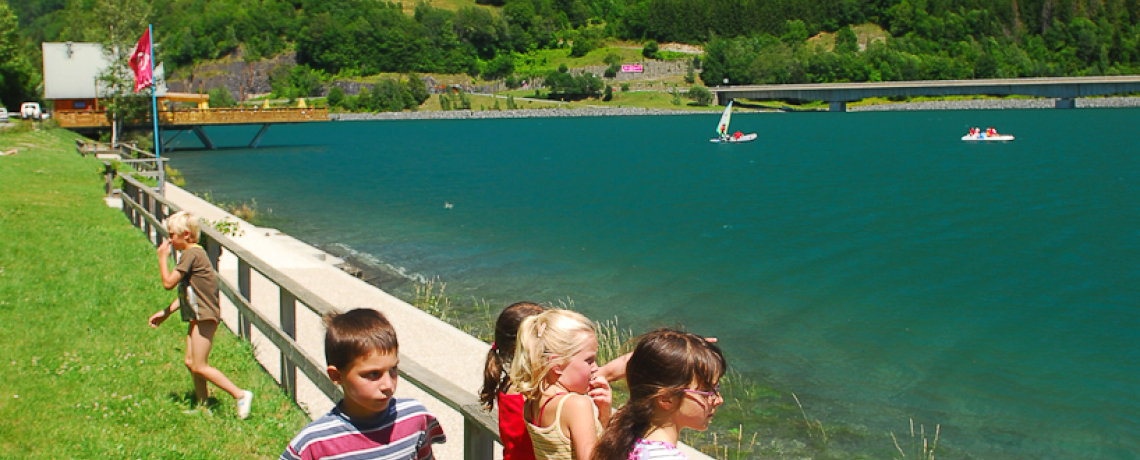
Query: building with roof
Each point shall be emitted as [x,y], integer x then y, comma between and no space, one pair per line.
[71,72]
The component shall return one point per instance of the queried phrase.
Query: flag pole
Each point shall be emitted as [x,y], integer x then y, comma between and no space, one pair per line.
[154,114]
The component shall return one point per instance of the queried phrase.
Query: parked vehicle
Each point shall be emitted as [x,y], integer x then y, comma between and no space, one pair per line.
[3,115]
[31,110]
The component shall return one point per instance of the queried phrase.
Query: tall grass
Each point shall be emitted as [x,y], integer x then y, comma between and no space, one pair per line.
[83,375]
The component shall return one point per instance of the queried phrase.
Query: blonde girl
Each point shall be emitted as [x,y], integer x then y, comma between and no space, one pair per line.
[555,369]
[674,384]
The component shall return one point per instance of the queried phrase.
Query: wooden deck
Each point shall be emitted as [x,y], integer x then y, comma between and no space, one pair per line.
[203,117]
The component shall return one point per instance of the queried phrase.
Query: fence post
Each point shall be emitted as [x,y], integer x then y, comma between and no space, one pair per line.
[477,443]
[148,204]
[160,216]
[243,275]
[213,251]
[289,327]
[127,210]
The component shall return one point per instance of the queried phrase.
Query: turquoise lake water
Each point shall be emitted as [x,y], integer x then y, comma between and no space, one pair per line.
[870,262]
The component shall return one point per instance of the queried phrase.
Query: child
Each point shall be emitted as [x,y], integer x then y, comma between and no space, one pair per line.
[674,383]
[555,363]
[362,355]
[497,389]
[199,302]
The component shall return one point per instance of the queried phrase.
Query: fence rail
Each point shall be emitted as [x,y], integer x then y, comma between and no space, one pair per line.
[146,209]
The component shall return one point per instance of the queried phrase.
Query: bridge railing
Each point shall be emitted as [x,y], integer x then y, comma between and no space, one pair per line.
[147,209]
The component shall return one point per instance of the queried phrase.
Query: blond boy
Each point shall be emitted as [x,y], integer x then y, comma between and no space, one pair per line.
[198,300]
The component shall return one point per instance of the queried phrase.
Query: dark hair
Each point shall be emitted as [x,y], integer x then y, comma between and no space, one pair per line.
[355,334]
[496,373]
[664,363]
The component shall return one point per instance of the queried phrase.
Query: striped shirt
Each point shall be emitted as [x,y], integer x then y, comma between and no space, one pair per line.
[403,431]
[655,450]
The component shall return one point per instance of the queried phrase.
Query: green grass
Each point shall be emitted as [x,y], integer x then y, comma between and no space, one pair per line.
[81,373]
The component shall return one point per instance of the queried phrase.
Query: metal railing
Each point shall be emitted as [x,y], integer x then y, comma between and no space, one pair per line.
[143,162]
[147,209]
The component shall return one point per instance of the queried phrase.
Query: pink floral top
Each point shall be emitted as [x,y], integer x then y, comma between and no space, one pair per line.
[655,450]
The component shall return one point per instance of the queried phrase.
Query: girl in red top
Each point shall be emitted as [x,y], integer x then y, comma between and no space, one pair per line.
[497,389]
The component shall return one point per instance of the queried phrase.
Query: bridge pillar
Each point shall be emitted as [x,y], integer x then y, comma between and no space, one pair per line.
[837,106]
[201,133]
[1066,103]
[257,139]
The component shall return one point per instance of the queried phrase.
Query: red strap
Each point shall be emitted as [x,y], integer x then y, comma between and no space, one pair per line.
[543,408]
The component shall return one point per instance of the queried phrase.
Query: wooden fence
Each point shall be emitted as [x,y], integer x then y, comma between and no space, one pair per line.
[147,209]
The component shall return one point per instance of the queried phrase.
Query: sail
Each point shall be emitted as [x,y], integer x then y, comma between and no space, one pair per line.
[722,127]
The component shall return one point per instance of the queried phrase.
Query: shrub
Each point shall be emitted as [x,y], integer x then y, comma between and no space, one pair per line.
[651,49]
[701,95]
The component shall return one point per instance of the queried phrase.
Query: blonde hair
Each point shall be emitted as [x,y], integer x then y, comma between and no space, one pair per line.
[545,341]
[183,221]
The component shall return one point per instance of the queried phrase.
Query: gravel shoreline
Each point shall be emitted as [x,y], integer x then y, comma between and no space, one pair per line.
[980,104]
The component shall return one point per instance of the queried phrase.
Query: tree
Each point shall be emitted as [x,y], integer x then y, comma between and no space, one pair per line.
[676,96]
[417,89]
[609,94]
[651,49]
[701,95]
[220,97]
[18,77]
[444,102]
[846,42]
[124,22]
[499,67]
[335,97]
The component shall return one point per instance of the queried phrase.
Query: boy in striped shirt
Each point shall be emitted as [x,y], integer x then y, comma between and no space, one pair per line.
[362,355]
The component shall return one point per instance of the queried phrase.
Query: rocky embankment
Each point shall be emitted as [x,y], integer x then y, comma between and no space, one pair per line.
[980,104]
[520,113]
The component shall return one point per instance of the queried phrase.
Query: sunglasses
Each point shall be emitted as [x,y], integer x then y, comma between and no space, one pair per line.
[715,392]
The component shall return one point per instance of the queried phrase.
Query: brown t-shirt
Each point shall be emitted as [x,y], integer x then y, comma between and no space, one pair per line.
[198,274]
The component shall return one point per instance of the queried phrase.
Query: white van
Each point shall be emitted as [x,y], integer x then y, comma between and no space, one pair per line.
[30,110]
[3,115]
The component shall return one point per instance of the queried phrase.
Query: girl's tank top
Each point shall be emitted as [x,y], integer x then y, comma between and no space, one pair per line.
[550,443]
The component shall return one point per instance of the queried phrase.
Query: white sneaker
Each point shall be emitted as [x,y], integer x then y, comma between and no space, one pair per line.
[244,404]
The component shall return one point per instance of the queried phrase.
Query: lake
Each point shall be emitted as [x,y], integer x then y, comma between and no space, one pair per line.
[872,263]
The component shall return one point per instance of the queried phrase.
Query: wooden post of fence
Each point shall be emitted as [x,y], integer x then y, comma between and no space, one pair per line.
[160,216]
[148,204]
[127,210]
[477,443]
[213,251]
[289,327]
[243,275]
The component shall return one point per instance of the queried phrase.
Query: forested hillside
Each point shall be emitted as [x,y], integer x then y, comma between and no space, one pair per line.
[746,41]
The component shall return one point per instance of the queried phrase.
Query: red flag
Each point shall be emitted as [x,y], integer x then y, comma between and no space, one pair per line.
[140,62]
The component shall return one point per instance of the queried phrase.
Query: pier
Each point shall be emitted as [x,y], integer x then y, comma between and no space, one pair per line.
[195,120]
[837,95]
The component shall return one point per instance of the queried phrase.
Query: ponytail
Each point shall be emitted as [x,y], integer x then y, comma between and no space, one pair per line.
[496,372]
[629,424]
[545,341]
[663,364]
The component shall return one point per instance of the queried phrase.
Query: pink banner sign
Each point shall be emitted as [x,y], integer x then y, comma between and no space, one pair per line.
[631,68]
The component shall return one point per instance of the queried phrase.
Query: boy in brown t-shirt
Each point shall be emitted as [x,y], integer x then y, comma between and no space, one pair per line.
[200,304]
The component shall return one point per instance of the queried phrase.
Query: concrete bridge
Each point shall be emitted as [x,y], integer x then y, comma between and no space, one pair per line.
[1065,90]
